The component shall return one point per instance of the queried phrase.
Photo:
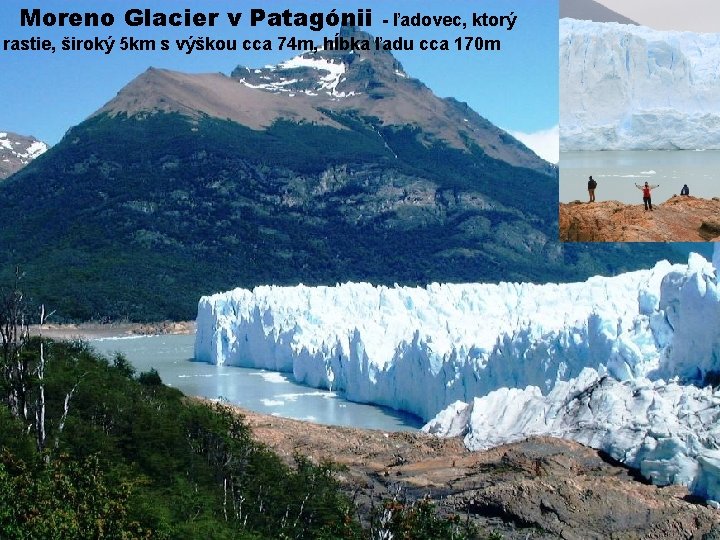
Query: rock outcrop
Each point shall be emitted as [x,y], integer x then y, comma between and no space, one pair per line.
[539,488]
[679,219]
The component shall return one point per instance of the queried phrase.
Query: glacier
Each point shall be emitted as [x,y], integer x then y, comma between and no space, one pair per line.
[419,349]
[627,87]
[617,363]
[668,431]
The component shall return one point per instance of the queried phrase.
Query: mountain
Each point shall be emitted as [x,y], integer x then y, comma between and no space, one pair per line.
[589,10]
[312,87]
[587,361]
[375,83]
[628,87]
[16,151]
[329,167]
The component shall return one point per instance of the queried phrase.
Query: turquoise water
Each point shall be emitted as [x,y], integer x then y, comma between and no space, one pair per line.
[617,171]
[258,390]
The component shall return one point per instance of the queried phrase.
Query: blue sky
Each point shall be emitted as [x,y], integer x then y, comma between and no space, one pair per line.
[44,94]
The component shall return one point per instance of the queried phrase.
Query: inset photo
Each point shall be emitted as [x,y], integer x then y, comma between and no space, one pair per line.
[639,124]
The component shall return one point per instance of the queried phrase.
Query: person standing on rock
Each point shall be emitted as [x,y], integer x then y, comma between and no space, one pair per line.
[592,184]
[646,189]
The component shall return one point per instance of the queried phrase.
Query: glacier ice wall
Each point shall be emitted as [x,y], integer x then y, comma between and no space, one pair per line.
[690,302]
[667,430]
[626,87]
[420,349]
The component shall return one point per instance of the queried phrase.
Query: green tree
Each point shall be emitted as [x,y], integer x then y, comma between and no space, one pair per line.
[62,499]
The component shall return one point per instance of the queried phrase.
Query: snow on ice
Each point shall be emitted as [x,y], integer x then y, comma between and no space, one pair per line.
[616,363]
[626,87]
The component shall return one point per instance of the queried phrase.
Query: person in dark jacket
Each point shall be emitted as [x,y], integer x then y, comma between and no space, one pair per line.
[592,184]
[685,190]
[646,189]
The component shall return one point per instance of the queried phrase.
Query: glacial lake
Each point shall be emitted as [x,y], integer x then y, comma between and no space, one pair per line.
[258,390]
[617,171]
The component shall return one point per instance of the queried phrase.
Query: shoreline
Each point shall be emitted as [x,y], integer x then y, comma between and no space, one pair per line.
[89,331]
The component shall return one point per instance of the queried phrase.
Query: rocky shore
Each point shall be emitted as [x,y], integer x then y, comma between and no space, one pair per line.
[101,330]
[539,488]
[679,219]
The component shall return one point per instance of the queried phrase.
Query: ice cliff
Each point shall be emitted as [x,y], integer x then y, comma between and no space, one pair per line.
[668,431]
[419,349]
[662,420]
[617,363]
[626,87]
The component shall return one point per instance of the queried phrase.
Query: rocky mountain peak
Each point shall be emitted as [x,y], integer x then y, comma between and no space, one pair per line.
[351,75]
[348,65]
[348,77]
[16,151]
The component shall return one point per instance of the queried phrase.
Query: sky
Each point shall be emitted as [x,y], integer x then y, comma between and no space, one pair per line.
[688,15]
[44,94]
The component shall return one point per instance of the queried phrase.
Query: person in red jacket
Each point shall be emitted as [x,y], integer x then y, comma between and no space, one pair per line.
[646,189]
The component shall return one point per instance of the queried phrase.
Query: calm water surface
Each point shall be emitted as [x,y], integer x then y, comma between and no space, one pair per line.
[258,390]
[616,172]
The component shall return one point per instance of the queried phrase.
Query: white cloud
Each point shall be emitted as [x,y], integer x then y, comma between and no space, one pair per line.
[545,144]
